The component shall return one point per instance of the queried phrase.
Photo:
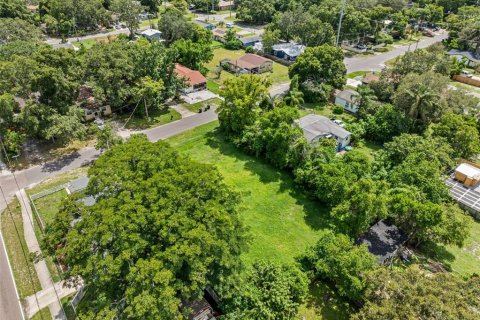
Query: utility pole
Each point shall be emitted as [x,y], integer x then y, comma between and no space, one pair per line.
[342,11]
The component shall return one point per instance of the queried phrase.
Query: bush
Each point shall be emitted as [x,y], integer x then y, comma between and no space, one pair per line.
[337,109]
[382,49]
[249,49]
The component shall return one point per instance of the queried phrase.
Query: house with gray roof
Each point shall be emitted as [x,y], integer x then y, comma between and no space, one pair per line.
[250,41]
[288,51]
[348,99]
[152,34]
[383,240]
[317,127]
[79,185]
[473,59]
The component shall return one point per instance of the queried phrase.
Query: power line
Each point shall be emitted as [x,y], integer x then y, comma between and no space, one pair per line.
[342,10]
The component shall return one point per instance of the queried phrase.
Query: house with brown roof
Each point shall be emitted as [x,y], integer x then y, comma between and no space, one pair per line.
[249,63]
[194,80]
[92,107]
[371,77]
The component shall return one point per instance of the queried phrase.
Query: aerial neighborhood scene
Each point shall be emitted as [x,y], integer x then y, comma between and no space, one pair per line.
[239,160]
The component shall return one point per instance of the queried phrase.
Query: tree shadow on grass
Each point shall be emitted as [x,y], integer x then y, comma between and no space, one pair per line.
[438,253]
[316,214]
[325,302]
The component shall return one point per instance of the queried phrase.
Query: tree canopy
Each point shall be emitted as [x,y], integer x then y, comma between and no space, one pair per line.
[162,230]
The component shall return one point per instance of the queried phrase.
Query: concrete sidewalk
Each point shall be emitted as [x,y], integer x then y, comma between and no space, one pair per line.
[47,297]
[41,268]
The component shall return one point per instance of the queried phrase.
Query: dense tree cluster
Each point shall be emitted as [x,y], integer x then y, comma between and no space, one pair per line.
[162,230]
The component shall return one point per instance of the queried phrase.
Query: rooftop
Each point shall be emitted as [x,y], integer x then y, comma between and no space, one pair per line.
[468,170]
[78,184]
[150,32]
[314,126]
[466,196]
[383,239]
[467,54]
[249,61]
[290,48]
[371,77]
[348,95]
[193,77]
[250,39]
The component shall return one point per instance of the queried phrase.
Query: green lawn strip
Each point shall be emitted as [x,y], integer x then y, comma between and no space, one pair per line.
[357,74]
[213,87]
[158,117]
[67,307]
[88,43]
[21,261]
[464,86]
[326,111]
[151,23]
[43,314]
[282,220]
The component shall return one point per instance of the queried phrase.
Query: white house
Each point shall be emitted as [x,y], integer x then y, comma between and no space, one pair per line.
[152,34]
[317,127]
[348,99]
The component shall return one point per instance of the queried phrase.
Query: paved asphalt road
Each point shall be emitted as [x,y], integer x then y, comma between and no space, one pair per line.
[8,299]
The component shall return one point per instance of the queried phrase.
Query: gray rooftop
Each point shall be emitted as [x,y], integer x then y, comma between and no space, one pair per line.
[202,23]
[467,54]
[250,39]
[290,48]
[348,95]
[383,239]
[314,126]
[88,201]
[78,184]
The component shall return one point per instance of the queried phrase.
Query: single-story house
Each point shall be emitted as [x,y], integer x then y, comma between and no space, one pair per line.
[468,174]
[249,63]
[205,25]
[250,41]
[288,51]
[383,240]
[79,185]
[317,127]
[369,78]
[225,5]
[194,80]
[66,45]
[87,101]
[152,34]
[348,99]
[473,59]
[219,34]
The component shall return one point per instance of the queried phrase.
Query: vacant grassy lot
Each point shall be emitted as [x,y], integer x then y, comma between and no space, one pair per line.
[282,220]
[278,75]
[23,271]
[157,117]
[48,206]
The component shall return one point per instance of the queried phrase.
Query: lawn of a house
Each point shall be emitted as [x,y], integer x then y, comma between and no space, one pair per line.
[43,314]
[281,219]
[11,224]
[326,110]
[278,75]
[152,23]
[215,102]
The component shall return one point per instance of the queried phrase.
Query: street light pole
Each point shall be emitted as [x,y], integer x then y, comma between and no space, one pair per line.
[342,11]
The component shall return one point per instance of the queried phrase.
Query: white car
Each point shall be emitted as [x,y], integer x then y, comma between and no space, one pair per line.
[229,25]
[467,74]
[340,123]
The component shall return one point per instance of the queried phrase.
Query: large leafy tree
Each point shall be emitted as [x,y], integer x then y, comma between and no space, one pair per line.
[162,230]
[269,292]
[416,294]
[174,26]
[241,105]
[255,11]
[322,64]
[335,259]
[461,133]
[128,12]
[17,29]
[13,9]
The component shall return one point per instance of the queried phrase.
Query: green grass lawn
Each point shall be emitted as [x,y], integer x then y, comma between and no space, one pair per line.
[357,74]
[22,264]
[463,261]
[326,111]
[282,220]
[48,206]
[149,23]
[43,314]
[464,86]
[158,117]
[278,75]
[88,43]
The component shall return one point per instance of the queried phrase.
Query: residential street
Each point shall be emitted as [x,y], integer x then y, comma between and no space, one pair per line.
[9,307]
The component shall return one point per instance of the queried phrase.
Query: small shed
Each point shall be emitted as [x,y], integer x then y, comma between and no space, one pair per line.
[383,240]
[152,34]
[348,99]
[468,174]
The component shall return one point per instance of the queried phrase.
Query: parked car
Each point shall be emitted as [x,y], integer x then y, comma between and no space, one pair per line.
[229,25]
[467,74]
[361,46]
[339,123]
[428,33]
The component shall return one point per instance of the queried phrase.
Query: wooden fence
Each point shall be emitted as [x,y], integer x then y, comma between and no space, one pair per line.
[470,81]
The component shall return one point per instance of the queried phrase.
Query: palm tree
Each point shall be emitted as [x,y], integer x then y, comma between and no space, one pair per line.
[423,103]
[294,97]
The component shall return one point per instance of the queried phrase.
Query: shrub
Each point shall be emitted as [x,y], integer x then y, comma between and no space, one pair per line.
[337,109]
[249,49]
